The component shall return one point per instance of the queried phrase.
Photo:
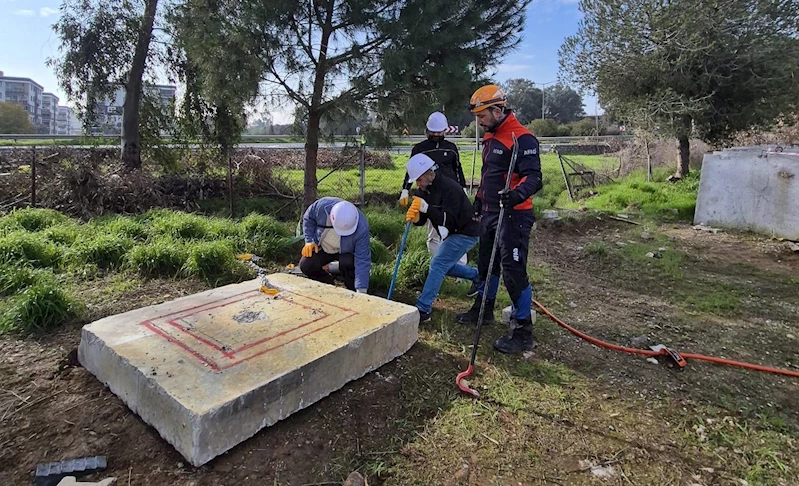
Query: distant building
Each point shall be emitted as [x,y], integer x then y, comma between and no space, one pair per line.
[49,113]
[66,123]
[108,112]
[25,92]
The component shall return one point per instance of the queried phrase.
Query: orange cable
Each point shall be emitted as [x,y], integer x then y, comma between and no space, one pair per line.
[645,352]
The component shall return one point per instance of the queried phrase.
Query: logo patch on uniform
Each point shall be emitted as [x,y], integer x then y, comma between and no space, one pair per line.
[515,254]
[498,151]
[531,151]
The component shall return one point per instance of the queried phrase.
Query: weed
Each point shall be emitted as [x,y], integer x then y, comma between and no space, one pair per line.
[22,247]
[596,248]
[413,269]
[32,219]
[386,226]
[121,226]
[179,225]
[223,228]
[14,278]
[41,306]
[380,277]
[159,257]
[103,250]
[64,233]
[214,262]
[380,254]
[261,226]
[276,248]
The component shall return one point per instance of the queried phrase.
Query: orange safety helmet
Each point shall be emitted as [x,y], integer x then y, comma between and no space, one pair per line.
[487,96]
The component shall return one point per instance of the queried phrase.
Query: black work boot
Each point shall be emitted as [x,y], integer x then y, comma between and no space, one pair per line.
[471,316]
[518,340]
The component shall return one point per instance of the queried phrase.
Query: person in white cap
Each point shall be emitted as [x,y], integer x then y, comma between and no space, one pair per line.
[445,154]
[441,202]
[335,230]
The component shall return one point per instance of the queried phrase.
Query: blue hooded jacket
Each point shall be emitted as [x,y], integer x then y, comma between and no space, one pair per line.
[316,220]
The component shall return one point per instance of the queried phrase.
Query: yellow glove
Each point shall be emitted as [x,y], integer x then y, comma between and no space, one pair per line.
[309,249]
[417,206]
[403,200]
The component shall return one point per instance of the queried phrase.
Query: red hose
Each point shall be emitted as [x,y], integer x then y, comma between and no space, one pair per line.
[646,352]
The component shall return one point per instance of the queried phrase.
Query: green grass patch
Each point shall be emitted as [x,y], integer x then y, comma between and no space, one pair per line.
[123,226]
[413,269]
[185,226]
[380,277]
[103,250]
[215,262]
[660,200]
[380,253]
[22,247]
[668,262]
[64,233]
[14,278]
[386,224]
[32,219]
[163,256]
[262,226]
[43,305]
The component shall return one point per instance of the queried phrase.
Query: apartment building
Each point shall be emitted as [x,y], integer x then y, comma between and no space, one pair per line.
[25,92]
[66,123]
[109,111]
[49,114]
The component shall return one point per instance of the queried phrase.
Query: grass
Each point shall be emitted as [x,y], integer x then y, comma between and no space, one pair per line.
[43,305]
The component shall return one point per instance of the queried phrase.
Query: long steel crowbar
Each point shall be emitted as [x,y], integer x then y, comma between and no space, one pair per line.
[460,380]
[399,259]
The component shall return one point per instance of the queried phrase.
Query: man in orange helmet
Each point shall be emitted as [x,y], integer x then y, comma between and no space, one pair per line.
[489,106]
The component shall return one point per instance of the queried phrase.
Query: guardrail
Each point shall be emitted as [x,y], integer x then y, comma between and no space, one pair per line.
[291,139]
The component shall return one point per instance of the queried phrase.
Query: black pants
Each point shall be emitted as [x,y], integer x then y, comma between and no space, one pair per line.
[312,267]
[514,239]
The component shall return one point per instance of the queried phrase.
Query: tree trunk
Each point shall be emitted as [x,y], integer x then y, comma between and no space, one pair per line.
[314,115]
[131,143]
[684,148]
[311,151]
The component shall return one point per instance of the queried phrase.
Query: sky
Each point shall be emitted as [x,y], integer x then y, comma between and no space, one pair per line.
[26,31]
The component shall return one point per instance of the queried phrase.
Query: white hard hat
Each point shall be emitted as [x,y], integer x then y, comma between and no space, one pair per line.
[344,217]
[437,122]
[418,165]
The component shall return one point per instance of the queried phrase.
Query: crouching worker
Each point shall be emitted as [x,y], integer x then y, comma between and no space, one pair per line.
[441,201]
[336,230]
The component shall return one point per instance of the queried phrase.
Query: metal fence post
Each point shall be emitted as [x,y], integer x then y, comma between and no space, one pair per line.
[363,173]
[33,179]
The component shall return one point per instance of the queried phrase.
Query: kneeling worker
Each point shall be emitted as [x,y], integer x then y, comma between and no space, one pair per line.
[336,230]
[441,201]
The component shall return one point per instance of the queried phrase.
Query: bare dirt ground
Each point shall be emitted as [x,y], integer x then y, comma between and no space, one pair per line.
[571,413]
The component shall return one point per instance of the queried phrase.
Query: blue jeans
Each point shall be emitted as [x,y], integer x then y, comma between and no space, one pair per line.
[445,263]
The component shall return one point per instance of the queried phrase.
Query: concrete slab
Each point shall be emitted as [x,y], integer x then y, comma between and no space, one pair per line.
[210,370]
[742,190]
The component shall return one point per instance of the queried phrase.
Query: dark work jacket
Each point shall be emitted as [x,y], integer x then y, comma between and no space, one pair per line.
[497,149]
[443,153]
[448,207]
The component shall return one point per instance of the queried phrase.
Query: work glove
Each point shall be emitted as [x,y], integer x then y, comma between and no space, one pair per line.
[510,199]
[418,206]
[309,249]
[477,208]
[443,231]
[403,200]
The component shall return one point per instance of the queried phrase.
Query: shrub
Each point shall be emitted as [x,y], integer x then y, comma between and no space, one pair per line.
[33,219]
[22,247]
[103,250]
[160,257]
[41,306]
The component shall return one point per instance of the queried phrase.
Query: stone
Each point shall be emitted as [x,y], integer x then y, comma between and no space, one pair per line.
[73,481]
[652,360]
[646,235]
[355,479]
[238,376]
[755,190]
[550,215]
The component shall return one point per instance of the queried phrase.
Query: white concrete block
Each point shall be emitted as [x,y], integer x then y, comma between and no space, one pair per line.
[210,370]
[746,191]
